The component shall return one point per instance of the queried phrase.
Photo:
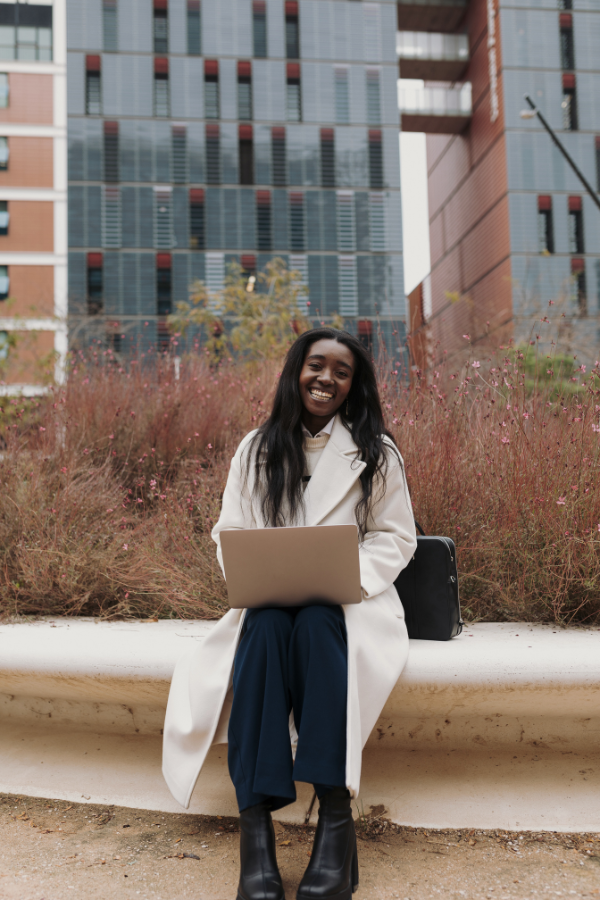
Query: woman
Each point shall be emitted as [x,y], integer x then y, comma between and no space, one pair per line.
[323,457]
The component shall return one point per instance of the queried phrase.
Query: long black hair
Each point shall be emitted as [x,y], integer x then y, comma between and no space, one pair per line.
[277,448]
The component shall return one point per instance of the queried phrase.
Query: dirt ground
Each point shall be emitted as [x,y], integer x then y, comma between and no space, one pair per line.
[50,850]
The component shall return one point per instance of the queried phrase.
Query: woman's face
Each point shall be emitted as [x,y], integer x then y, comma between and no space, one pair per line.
[326,378]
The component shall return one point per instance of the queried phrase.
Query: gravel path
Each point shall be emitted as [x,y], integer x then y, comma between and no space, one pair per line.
[50,850]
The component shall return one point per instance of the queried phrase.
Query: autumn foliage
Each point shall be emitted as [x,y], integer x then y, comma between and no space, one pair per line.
[112,482]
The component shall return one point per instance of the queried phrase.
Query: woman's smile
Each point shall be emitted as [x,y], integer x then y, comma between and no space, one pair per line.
[320,396]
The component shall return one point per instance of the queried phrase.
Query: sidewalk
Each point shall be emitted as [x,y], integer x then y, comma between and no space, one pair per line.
[50,850]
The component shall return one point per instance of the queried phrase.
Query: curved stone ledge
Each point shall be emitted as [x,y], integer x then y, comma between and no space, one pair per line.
[497,728]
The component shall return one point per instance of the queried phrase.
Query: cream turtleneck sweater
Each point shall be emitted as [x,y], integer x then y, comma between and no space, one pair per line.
[313,447]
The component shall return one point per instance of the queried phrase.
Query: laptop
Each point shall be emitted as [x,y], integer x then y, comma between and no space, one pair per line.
[291,566]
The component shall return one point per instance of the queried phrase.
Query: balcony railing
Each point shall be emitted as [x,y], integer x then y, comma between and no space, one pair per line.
[432,57]
[435,110]
[430,15]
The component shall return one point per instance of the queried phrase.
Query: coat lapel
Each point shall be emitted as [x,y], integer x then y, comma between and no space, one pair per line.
[336,472]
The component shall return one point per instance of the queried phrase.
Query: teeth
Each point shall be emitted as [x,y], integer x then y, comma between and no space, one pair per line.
[320,395]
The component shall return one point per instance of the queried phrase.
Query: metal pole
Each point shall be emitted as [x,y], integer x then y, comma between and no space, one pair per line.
[566,155]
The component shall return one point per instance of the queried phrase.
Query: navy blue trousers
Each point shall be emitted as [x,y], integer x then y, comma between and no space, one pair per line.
[292,658]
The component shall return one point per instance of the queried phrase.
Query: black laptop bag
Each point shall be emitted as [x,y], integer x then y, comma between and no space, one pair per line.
[428,589]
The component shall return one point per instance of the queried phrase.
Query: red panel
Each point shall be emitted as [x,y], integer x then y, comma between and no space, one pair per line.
[248,262]
[574,204]
[327,134]
[566,20]
[245,132]
[296,198]
[544,201]
[568,80]
[577,264]
[196,195]
[259,6]
[374,136]
[597,141]
[291,8]
[94,260]
[163,260]
[293,71]
[263,198]
[161,65]
[92,63]
[278,132]
[212,131]
[161,4]
[180,129]
[365,327]
[111,128]
[244,68]
[211,66]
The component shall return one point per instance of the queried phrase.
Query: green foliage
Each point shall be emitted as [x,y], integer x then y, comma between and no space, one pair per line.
[554,373]
[254,319]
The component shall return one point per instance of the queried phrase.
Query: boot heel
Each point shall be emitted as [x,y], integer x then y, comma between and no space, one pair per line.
[355,871]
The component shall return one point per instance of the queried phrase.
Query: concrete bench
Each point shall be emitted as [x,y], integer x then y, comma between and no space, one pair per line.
[497,728]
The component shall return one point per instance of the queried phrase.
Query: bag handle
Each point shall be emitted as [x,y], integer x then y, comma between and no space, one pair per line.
[419,528]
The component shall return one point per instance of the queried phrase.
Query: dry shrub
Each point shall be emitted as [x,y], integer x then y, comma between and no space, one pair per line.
[111,485]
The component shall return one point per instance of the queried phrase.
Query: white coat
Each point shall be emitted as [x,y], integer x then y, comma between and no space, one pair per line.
[200,696]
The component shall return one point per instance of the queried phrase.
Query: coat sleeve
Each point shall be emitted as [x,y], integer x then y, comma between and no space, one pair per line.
[391,540]
[235,507]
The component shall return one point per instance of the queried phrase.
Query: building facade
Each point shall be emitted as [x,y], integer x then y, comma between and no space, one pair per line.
[511,226]
[33,194]
[202,133]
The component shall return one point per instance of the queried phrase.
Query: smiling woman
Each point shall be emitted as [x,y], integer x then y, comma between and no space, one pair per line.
[323,457]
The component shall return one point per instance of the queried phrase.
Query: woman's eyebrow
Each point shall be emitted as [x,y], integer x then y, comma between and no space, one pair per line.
[320,356]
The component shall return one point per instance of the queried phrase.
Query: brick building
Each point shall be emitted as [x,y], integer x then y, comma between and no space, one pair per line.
[33,193]
[511,226]
[201,133]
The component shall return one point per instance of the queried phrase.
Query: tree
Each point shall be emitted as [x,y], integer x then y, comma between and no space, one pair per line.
[253,317]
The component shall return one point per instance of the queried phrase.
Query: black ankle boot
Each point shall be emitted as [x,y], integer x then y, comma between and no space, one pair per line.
[332,872]
[259,875]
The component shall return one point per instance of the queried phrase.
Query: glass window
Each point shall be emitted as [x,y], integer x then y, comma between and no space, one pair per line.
[545,231]
[244,97]
[579,287]
[292,31]
[7,42]
[111,151]
[109,25]
[263,220]
[342,95]
[567,48]
[4,342]
[197,229]
[576,243]
[211,89]
[95,290]
[161,31]
[569,109]
[4,153]
[246,157]
[373,97]
[179,153]
[4,91]
[161,94]
[163,218]
[4,282]
[93,94]
[4,217]
[278,156]
[597,142]
[327,157]
[163,297]
[297,239]
[259,28]
[293,99]
[375,160]
[194,42]
[213,154]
